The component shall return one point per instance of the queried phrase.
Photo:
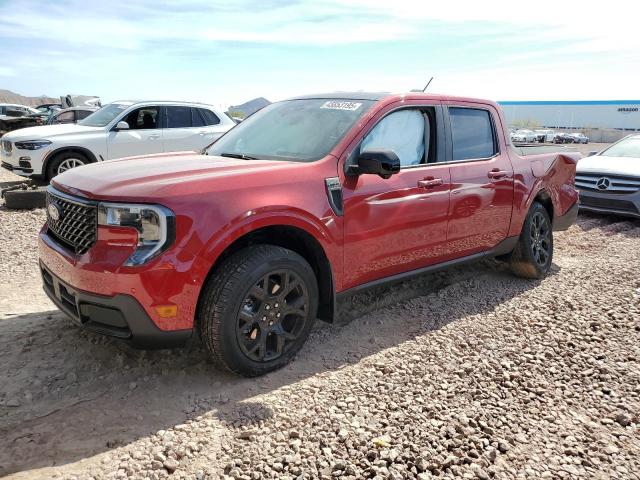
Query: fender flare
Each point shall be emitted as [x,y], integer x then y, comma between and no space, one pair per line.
[265,217]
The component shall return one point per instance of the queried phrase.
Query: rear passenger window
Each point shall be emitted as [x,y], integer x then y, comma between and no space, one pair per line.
[178,117]
[210,118]
[82,114]
[196,118]
[472,133]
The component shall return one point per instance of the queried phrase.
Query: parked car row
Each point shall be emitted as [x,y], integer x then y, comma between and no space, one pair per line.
[546,136]
[71,109]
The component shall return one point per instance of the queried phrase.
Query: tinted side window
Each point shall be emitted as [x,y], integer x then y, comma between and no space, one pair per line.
[472,133]
[80,114]
[210,118]
[65,117]
[178,117]
[143,118]
[196,118]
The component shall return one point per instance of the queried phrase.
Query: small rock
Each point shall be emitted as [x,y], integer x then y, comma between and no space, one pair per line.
[623,419]
[171,464]
[611,449]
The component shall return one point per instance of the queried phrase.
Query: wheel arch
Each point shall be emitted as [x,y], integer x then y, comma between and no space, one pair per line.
[298,240]
[543,198]
[52,155]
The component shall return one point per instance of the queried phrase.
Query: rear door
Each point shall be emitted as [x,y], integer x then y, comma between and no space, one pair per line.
[481,179]
[189,128]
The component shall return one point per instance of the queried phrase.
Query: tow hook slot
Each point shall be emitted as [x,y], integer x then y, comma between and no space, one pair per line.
[334,194]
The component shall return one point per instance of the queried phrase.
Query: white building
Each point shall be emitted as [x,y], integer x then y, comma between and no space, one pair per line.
[587,115]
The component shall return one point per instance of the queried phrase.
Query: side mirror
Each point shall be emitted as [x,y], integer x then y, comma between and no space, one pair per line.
[591,154]
[122,126]
[377,162]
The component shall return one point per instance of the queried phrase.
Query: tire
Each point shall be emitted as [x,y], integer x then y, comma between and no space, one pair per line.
[533,254]
[25,199]
[242,315]
[65,161]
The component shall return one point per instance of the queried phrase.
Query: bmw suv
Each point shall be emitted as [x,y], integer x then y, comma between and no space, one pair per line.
[119,129]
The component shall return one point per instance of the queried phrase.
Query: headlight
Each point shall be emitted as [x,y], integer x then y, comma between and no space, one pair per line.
[156,226]
[32,144]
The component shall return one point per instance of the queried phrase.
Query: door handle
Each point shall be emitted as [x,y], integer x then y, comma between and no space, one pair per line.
[496,173]
[154,137]
[202,133]
[429,182]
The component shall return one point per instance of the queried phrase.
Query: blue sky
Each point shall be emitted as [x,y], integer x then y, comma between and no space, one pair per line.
[228,51]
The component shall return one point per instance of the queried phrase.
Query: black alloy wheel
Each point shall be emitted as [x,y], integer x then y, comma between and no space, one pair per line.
[540,233]
[272,316]
[533,253]
[257,309]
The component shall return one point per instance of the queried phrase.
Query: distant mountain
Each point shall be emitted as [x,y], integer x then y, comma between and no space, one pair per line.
[249,107]
[7,96]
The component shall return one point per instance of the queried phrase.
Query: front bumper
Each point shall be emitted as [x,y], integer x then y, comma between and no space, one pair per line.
[626,205]
[23,172]
[119,316]
[98,277]
[26,163]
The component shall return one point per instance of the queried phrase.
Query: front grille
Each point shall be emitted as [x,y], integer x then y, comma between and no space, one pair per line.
[619,184]
[7,147]
[608,203]
[76,225]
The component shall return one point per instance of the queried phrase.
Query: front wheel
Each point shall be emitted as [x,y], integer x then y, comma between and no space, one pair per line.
[534,252]
[257,309]
[65,161]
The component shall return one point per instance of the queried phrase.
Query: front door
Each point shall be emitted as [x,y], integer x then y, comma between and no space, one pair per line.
[143,137]
[481,181]
[397,224]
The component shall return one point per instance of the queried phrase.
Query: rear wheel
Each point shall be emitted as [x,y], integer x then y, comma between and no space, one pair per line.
[257,309]
[65,161]
[534,252]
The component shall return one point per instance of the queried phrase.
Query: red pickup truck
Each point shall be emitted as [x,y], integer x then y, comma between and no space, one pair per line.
[249,241]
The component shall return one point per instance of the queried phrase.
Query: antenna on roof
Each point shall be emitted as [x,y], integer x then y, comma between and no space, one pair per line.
[427,85]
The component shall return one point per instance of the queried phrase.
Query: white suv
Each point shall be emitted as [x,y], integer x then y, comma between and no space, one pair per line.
[119,129]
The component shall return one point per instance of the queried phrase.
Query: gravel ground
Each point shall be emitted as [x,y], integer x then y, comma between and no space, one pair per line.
[470,373]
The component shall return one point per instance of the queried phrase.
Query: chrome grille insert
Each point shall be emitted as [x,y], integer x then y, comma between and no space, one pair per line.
[76,225]
[619,184]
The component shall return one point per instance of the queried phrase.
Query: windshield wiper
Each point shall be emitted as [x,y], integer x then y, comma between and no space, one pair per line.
[241,156]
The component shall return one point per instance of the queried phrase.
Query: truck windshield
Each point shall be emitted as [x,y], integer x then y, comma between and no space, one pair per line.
[629,147]
[104,116]
[295,130]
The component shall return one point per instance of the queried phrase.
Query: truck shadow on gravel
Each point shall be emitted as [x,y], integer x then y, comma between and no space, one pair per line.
[68,394]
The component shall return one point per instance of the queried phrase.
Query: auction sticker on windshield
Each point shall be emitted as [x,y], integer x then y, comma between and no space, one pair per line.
[341,105]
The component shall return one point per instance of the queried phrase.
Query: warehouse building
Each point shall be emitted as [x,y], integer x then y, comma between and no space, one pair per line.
[621,115]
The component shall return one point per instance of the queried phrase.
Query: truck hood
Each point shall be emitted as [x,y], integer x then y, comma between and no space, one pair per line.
[156,177]
[612,165]
[47,132]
